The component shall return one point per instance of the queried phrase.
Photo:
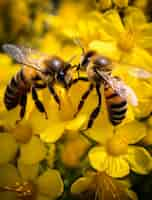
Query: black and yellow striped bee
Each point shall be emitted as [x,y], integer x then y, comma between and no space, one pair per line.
[117,94]
[39,71]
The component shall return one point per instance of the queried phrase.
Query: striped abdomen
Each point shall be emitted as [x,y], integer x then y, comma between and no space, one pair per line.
[14,90]
[117,106]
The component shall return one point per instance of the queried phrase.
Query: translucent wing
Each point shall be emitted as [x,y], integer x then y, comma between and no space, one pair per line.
[132,70]
[120,87]
[140,73]
[17,53]
[124,91]
[23,55]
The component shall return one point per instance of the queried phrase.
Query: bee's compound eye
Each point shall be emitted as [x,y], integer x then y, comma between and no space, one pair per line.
[55,64]
[102,61]
[61,76]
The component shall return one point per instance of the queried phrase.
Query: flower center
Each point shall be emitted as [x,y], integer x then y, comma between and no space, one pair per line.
[116,146]
[22,132]
[126,41]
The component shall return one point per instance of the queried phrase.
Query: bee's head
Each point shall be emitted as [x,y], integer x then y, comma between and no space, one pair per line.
[64,76]
[101,61]
[86,59]
[54,65]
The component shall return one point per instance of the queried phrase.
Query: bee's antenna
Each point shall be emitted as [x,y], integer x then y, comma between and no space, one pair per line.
[72,58]
[78,43]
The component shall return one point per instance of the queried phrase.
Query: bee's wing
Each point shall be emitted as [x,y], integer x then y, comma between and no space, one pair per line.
[23,55]
[120,87]
[124,91]
[132,70]
[140,73]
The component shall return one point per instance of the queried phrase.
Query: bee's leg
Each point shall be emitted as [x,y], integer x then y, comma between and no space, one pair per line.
[96,111]
[39,86]
[74,81]
[23,102]
[83,98]
[53,92]
[38,103]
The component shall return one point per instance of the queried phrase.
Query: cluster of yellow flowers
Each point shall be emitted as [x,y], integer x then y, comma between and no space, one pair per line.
[45,159]
[23,20]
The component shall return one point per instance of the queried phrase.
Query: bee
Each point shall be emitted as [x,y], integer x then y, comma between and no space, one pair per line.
[39,71]
[117,94]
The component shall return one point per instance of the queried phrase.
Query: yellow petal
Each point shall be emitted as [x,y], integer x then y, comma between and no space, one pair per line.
[145,35]
[81,185]
[51,155]
[117,167]
[97,157]
[139,160]
[32,152]
[121,3]
[134,18]
[76,124]
[149,121]
[9,117]
[42,197]
[138,57]
[22,132]
[115,21]
[8,196]
[144,106]
[131,132]
[132,195]
[50,178]
[114,166]
[73,149]
[8,148]
[103,5]
[66,103]
[102,128]
[106,48]
[28,172]
[52,110]
[147,140]
[141,4]
[8,175]
[53,132]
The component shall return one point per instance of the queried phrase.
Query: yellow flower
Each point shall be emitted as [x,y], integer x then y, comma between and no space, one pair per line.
[28,177]
[8,148]
[101,186]
[143,5]
[143,109]
[29,184]
[121,3]
[117,157]
[58,121]
[104,5]
[147,140]
[22,132]
[149,121]
[107,4]
[32,152]
[73,149]
[101,129]
[129,41]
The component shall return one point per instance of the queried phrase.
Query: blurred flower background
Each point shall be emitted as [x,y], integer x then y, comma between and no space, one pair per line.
[55,159]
